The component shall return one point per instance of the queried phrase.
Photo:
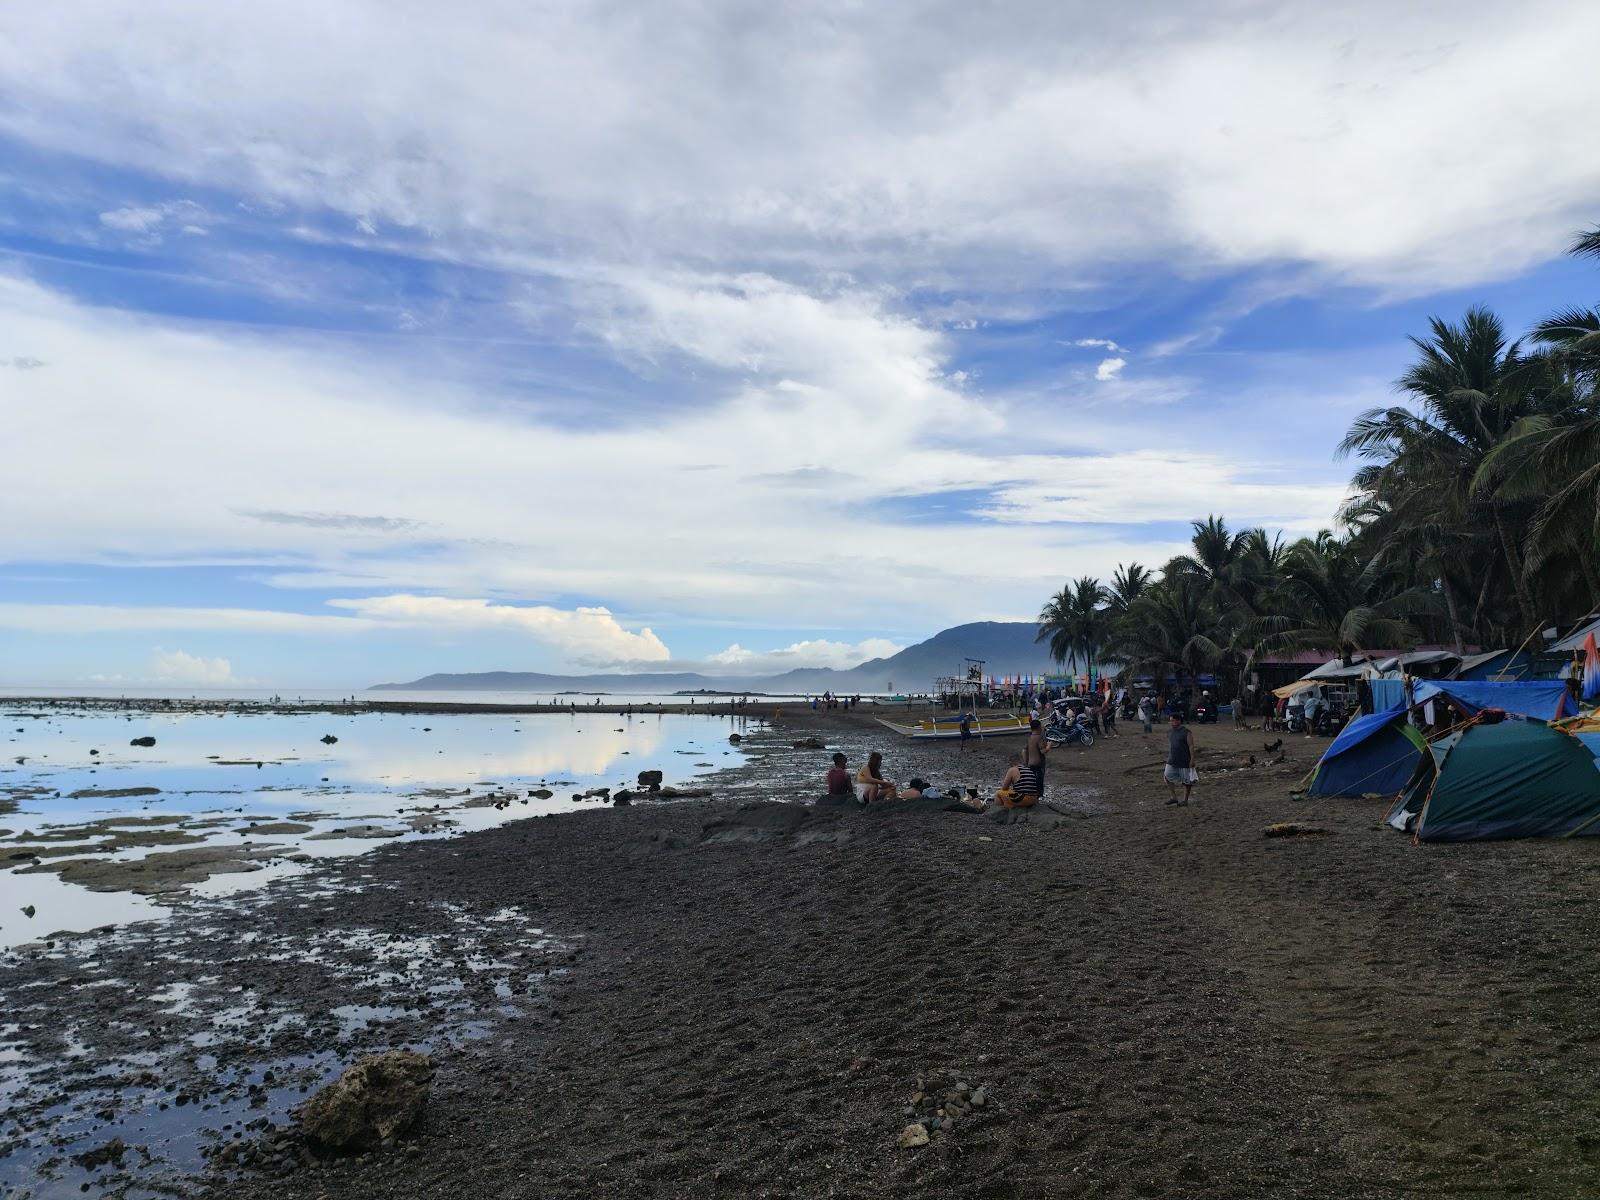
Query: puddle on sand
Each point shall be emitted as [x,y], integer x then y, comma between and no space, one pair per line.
[223,803]
[132,1060]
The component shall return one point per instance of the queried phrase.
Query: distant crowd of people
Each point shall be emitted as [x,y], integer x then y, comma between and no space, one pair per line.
[1023,784]
[829,701]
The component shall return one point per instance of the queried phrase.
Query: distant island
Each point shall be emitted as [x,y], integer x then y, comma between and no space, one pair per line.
[1006,648]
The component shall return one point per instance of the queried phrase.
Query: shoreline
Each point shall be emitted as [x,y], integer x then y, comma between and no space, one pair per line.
[734,1003]
[788,708]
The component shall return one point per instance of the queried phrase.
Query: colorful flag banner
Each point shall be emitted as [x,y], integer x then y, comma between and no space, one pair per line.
[1591,668]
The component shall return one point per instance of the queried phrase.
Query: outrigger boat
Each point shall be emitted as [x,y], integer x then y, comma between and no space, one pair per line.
[950,727]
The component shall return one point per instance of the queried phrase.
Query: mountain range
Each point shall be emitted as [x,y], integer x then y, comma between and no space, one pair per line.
[1006,648]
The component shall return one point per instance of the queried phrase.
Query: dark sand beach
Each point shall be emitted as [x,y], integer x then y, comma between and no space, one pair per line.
[1156,1002]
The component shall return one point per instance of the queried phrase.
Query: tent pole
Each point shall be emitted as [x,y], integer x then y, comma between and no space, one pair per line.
[1500,676]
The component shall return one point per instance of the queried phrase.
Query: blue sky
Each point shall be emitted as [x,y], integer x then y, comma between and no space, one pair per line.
[346,344]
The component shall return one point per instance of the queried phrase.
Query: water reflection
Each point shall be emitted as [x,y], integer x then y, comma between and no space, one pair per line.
[271,785]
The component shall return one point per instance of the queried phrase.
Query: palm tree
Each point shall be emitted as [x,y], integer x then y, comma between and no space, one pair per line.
[1335,601]
[1088,618]
[1553,457]
[1127,583]
[1470,388]
[1166,631]
[1074,622]
[1216,553]
[1055,626]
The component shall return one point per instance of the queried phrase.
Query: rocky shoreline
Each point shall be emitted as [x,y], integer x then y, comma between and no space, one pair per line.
[702,999]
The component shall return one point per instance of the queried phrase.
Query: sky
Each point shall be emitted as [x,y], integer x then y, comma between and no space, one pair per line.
[344,343]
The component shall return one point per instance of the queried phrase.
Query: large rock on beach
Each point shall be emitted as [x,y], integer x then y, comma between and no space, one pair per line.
[650,779]
[143,741]
[912,1137]
[376,1099]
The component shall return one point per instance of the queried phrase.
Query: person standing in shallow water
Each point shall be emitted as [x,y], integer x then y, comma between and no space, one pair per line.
[1180,770]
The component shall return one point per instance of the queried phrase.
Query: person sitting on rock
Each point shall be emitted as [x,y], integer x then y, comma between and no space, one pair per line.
[1020,788]
[872,783]
[919,790]
[839,777]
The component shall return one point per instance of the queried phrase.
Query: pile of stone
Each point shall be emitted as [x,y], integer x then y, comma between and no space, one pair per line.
[937,1104]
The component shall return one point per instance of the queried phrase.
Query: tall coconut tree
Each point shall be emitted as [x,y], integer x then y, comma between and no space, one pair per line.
[1335,601]
[1127,584]
[1468,389]
[1074,622]
[1168,631]
[1552,458]
[1055,627]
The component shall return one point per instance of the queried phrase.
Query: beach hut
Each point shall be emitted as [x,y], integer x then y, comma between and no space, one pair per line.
[1375,753]
[1505,780]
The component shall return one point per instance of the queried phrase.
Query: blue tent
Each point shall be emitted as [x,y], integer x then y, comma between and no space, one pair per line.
[1375,753]
[1544,699]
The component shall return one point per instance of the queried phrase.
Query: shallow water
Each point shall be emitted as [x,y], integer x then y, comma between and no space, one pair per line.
[177,1040]
[227,780]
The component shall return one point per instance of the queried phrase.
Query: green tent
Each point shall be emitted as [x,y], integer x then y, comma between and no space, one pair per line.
[1506,780]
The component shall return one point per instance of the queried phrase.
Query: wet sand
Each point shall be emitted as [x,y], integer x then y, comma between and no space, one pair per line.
[1156,1001]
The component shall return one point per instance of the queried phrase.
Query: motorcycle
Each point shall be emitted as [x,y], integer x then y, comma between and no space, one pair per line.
[1205,713]
[1065,727]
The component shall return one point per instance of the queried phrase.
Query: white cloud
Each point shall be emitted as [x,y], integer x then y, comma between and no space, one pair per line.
[176,666]
[1140,486]
[1100,343]
[1354,136]
[694,513]
[583,636]
[148,221]
[110,618]
[587,636]
[1109,368]
[819,652]
[133,220]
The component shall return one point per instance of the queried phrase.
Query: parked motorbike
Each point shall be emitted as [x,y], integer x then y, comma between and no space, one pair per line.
[1294,718]
[1067,727]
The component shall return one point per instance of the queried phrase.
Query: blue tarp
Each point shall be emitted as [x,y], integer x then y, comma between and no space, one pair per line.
[1387,694]
[1371,754]
[1546,699]
[1506,661]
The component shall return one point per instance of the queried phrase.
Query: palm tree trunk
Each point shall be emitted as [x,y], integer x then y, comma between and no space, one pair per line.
[1591,577]
[1450,606]
[1514,561]
[1483,598]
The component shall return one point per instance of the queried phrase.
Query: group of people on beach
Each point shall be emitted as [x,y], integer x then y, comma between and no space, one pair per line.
[1024,781]
[829,701]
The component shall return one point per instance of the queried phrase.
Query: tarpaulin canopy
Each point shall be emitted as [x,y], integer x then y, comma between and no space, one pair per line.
[1546,699]
[1506,780]
[1417,658]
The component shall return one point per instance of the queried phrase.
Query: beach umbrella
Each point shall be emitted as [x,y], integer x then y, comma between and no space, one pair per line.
[1591,668]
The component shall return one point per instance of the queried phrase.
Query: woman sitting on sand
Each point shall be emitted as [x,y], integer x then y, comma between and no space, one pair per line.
[873,785]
